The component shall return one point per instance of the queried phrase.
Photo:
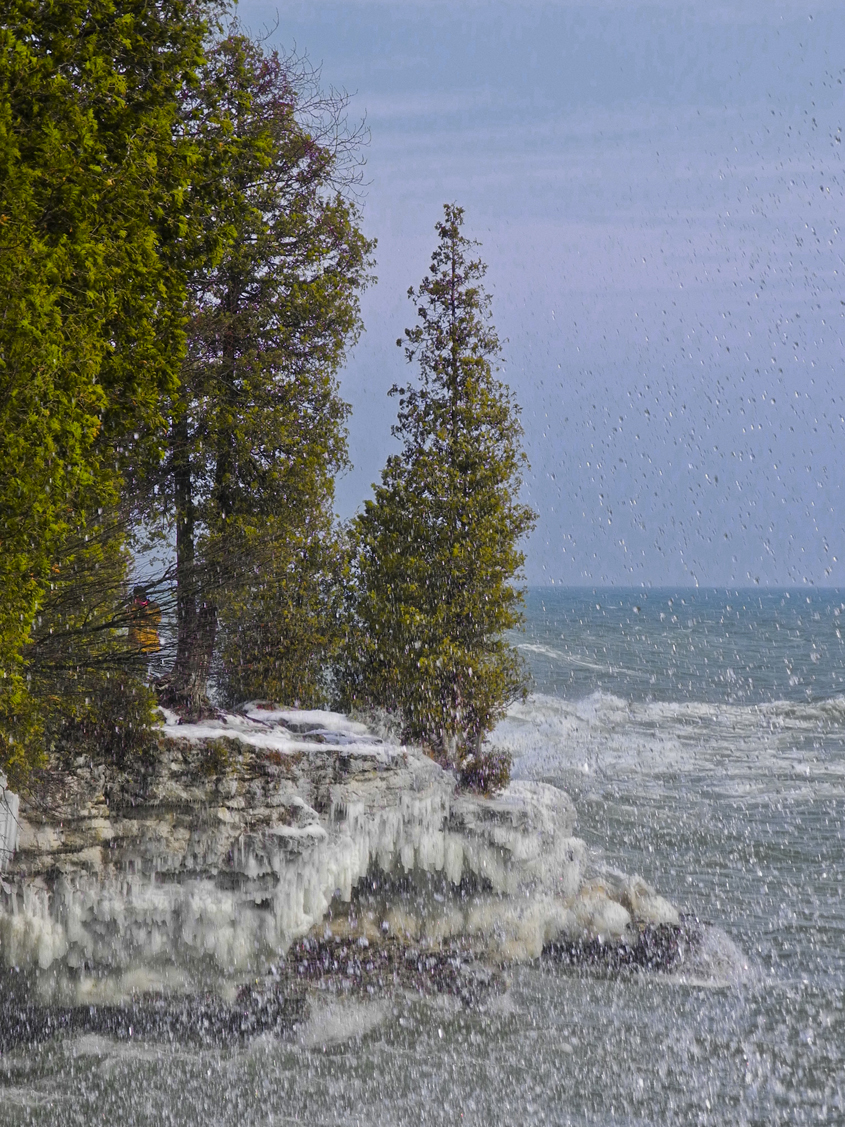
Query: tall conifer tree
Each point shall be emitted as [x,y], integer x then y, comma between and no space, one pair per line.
[438,546]
[92,173]
[258,425]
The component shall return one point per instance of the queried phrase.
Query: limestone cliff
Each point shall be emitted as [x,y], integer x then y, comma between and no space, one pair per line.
[245,834]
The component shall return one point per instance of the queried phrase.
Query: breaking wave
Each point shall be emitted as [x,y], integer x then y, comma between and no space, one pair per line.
[604,733]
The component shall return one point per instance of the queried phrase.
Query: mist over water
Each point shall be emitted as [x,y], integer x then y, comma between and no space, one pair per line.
[702,736]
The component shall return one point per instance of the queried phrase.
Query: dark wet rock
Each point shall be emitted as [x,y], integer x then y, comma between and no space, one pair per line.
[656,947]
[277,1004]
[193,1020]
[344,966]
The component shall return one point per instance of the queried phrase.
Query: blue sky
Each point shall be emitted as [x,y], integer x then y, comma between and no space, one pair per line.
[658,189]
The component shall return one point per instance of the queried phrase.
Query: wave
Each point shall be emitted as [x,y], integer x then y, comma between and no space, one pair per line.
[716,963]
[803,743]
[570,659]
[576,663]
[602,707]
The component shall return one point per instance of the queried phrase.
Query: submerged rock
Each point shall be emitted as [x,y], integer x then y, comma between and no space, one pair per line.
[342,967]
[654,947]
[203,1019]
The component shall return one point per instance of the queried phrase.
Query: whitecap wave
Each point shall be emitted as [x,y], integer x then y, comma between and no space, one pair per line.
[570,660]
[335,1020]
[799,743]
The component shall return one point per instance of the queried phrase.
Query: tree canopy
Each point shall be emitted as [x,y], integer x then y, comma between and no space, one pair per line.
[92,175]
[258,425]
[438,546]
[182,259]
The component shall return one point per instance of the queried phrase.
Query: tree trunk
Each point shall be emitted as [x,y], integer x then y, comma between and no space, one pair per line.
[185,558]
[196,705]
[184,688]
[224,466]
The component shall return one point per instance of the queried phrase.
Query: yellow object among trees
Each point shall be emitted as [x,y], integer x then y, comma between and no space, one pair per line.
[143,629]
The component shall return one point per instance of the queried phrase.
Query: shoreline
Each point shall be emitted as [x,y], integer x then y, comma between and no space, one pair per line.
[246,838]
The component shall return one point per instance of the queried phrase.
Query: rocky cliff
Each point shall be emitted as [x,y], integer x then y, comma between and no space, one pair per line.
[244,835]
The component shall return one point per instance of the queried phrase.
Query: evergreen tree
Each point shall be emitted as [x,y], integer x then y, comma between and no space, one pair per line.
[438,546]
[258,426]
[283,626]
[92,172]
[84,672]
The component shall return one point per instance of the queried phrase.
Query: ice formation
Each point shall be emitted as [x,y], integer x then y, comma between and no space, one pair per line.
[9,805]
[245,831]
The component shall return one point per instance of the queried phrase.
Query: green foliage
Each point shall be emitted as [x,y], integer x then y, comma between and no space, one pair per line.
[259,426]
[437,547]
[86,691]
[217,756]
[112,723]
[281,628]
[485,771]
[274,317]
[92,173]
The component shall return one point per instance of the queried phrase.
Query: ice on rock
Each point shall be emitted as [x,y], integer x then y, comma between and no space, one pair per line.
[646,904]
[241,837]
[596,914]
[9,805]
[518,840]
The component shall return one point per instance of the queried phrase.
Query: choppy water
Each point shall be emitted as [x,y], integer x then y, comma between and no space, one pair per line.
[702,735]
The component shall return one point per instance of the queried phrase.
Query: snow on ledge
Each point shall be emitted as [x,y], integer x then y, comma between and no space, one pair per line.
[284,730]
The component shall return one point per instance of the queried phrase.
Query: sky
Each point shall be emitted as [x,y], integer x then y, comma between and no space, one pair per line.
[658,191]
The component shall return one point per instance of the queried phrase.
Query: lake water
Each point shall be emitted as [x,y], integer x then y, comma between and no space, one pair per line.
[702,735]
